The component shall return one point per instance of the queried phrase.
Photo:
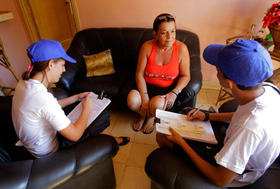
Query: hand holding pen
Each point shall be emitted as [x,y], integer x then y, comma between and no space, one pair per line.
[85,99]
[196,114]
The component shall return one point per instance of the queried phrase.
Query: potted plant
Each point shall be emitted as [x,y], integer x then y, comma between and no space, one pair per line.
[272,21]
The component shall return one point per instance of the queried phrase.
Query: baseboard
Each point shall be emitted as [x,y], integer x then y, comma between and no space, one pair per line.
[213,85]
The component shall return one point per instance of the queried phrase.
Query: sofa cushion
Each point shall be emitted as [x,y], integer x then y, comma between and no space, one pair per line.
[99,64]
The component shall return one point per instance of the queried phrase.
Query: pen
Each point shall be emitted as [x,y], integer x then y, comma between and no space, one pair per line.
[197,110]
[82,99]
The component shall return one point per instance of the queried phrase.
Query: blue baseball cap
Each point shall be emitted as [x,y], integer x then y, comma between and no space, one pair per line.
[46,50]
[246,62]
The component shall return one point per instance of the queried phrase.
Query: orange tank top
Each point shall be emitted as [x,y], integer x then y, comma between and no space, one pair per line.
[162,75]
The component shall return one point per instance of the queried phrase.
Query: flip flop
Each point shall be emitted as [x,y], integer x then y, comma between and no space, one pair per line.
[146,133]
[125,140]
[138,128]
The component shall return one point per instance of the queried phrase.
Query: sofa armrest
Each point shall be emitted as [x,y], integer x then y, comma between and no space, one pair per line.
[270,179]
[195,75]
[169,170]
[229,106]
[53,170]
[188,96]
[15,174]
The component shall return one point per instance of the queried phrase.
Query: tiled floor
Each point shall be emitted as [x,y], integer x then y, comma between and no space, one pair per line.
[130,160]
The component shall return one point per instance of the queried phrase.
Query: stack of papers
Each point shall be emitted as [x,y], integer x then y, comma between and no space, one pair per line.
[194,130]
[98,106]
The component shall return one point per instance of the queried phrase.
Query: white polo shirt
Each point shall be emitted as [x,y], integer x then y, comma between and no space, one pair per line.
[37,117]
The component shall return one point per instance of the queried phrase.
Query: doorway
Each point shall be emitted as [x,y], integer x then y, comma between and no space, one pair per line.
[51,19]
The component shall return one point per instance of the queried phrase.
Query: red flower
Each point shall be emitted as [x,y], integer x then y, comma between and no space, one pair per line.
[272,16]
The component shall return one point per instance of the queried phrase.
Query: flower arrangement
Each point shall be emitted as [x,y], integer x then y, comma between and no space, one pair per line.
[272,16]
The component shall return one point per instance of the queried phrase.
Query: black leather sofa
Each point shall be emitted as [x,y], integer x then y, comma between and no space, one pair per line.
[170,171]
[125,44]
[86,165]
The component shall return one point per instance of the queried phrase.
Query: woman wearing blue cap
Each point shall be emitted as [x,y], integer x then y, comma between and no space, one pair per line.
[37,115]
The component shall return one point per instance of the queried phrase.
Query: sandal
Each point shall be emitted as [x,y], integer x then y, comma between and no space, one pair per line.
[125,140]
[148,127]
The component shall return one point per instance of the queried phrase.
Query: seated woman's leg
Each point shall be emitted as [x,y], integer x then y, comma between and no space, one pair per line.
[134,100]
[134,103]
[156,102]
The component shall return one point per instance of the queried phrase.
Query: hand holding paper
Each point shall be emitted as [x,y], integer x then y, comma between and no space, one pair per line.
[175,137]
[194,130]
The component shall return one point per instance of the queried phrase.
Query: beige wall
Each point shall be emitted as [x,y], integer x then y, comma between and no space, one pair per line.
[213,21]
[15,40]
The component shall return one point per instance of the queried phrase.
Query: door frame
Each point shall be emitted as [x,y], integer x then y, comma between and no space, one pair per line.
[30,21]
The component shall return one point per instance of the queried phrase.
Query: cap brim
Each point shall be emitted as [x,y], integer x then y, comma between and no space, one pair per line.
[210,53]
[69,59]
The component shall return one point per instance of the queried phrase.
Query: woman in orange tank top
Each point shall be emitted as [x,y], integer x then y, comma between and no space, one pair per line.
[162,72]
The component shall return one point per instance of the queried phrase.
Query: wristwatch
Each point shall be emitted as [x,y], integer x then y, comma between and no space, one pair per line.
[179,91]
[206,116]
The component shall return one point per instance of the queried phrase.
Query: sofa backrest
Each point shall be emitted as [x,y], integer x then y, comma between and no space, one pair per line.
[124,43]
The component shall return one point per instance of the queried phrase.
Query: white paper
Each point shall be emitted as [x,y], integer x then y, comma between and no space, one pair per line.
[194,130]
[98,106]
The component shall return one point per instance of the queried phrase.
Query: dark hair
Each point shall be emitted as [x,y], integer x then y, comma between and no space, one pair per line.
[165,17]
[37,67]
[242,87]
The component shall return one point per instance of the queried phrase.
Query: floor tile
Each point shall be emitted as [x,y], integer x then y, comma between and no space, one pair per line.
[121,124]
[139,153]
[202,98]
[134,178]
[123,153]
[212,96]
[140,137]
[119,171]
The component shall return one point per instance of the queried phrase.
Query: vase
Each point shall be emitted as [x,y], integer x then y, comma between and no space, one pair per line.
[275,34]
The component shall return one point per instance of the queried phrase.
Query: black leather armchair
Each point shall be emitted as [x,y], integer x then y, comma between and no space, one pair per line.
[170,171]
[125,44]
[86,165]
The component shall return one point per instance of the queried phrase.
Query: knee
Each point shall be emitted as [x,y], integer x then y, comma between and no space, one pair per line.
[157,103]
[133,99]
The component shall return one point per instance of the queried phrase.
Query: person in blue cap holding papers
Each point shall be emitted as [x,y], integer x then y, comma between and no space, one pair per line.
[252,141]
[37,115]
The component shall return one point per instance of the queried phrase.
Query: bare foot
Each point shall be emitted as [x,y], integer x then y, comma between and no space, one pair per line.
[149,126]
[138,123]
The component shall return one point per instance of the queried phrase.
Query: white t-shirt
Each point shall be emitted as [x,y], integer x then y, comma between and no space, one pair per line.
[252,141]
[37,117]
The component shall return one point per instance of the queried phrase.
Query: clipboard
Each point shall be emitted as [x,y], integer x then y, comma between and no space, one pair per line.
[193,130]
[99,104]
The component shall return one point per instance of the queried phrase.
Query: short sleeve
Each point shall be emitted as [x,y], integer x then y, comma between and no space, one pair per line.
[54,114]
[237,150]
